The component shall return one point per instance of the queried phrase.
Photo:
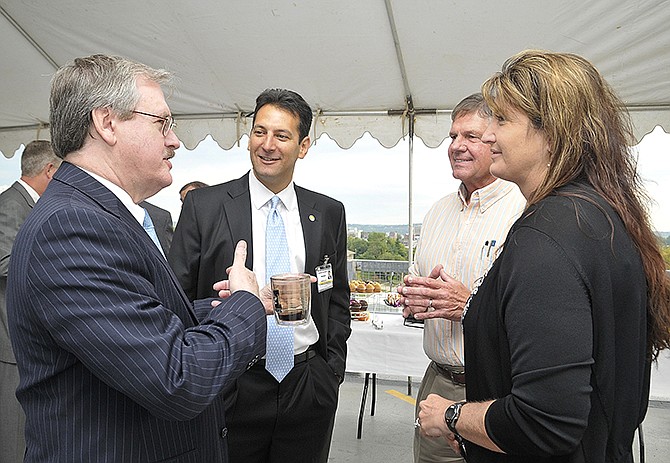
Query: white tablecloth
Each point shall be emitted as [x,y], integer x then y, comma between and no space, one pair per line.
[395,350]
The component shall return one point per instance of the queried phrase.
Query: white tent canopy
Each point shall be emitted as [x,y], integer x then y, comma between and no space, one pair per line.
[364,66]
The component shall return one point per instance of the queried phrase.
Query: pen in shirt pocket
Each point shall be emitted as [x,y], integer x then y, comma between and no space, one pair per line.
[487,248]
[491,245]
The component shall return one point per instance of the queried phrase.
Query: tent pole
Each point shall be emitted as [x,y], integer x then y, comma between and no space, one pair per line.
[410,225]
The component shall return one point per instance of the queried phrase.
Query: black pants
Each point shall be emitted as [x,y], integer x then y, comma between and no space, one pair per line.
[291,421]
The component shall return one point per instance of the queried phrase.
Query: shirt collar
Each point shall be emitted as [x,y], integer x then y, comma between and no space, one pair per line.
[260,194]
[31,191]
[487,196]
[124,197]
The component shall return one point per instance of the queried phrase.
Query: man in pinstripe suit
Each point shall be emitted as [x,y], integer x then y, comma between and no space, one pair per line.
[459,238]
[115,364]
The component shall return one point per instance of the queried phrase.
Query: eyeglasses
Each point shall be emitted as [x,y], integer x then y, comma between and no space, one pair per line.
[168,122]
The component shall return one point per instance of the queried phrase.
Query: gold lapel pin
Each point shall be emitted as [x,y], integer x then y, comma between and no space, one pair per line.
[312,218]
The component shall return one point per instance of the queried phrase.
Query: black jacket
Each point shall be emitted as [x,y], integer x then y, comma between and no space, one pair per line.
[557,332]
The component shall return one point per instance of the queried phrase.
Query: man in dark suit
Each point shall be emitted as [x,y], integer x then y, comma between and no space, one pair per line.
[38,165]
[278,419]
[162,220]
[115,363]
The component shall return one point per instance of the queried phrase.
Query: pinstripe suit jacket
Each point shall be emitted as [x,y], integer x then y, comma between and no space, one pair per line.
[114,365]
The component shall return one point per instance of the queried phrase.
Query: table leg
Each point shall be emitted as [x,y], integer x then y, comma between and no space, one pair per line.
[374,394]
[360,414]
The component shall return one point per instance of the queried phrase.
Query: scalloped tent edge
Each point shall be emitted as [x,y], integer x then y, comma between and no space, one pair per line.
[388,130]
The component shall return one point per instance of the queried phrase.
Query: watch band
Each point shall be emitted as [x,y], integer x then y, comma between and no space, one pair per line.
[452,414]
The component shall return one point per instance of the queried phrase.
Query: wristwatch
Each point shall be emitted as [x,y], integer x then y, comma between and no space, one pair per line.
[452,414]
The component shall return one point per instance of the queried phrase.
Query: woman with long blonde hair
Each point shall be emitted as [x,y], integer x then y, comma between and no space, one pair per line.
[560,336]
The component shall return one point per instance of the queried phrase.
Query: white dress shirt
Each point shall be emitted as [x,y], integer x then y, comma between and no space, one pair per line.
[465,237]
[33,194]
[124,197]
[303,335]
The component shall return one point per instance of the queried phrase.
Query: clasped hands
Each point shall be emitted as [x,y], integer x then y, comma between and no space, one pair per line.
[436,296]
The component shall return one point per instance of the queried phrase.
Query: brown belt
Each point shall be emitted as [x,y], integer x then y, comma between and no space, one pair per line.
[456,377]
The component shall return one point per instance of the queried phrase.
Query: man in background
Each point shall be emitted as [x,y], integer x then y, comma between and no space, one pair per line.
[460,236]
[38,165]
[287,415]
[190,186]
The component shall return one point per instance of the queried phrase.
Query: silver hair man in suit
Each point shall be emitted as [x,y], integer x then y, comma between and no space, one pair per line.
[115,363]
[38,165]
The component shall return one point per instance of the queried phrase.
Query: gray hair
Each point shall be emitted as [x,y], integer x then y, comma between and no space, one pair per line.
[36,155]
[470,104]
[85,84]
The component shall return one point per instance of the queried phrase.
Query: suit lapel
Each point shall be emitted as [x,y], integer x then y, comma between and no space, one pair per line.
[312,226]
[237,208]
[108,201]
[24,193]
[100,194]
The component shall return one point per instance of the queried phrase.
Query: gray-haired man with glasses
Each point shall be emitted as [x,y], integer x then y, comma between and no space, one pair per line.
[116,364]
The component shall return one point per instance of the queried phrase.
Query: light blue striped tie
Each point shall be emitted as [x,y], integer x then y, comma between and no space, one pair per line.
[151,231]
[279,347]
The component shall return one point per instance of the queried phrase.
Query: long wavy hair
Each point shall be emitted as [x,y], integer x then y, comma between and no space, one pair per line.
[589,134]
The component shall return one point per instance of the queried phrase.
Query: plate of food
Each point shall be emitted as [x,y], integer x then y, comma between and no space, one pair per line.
[359,309]
[365,287]
[392,300]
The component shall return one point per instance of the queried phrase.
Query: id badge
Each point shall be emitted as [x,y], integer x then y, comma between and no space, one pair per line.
[324,277]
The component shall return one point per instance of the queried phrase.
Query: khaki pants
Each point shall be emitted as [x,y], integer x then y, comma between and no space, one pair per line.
[435,449]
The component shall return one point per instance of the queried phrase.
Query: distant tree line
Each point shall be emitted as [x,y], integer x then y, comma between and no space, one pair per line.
[665,249]
[378,246]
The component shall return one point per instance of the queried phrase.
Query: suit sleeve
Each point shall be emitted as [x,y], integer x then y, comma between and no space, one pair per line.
[112,305]
[339,316]
[548,321]
[12,215]
[185,250]
[168,231]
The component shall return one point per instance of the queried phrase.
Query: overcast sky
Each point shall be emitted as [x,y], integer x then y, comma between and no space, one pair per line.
[370,180]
